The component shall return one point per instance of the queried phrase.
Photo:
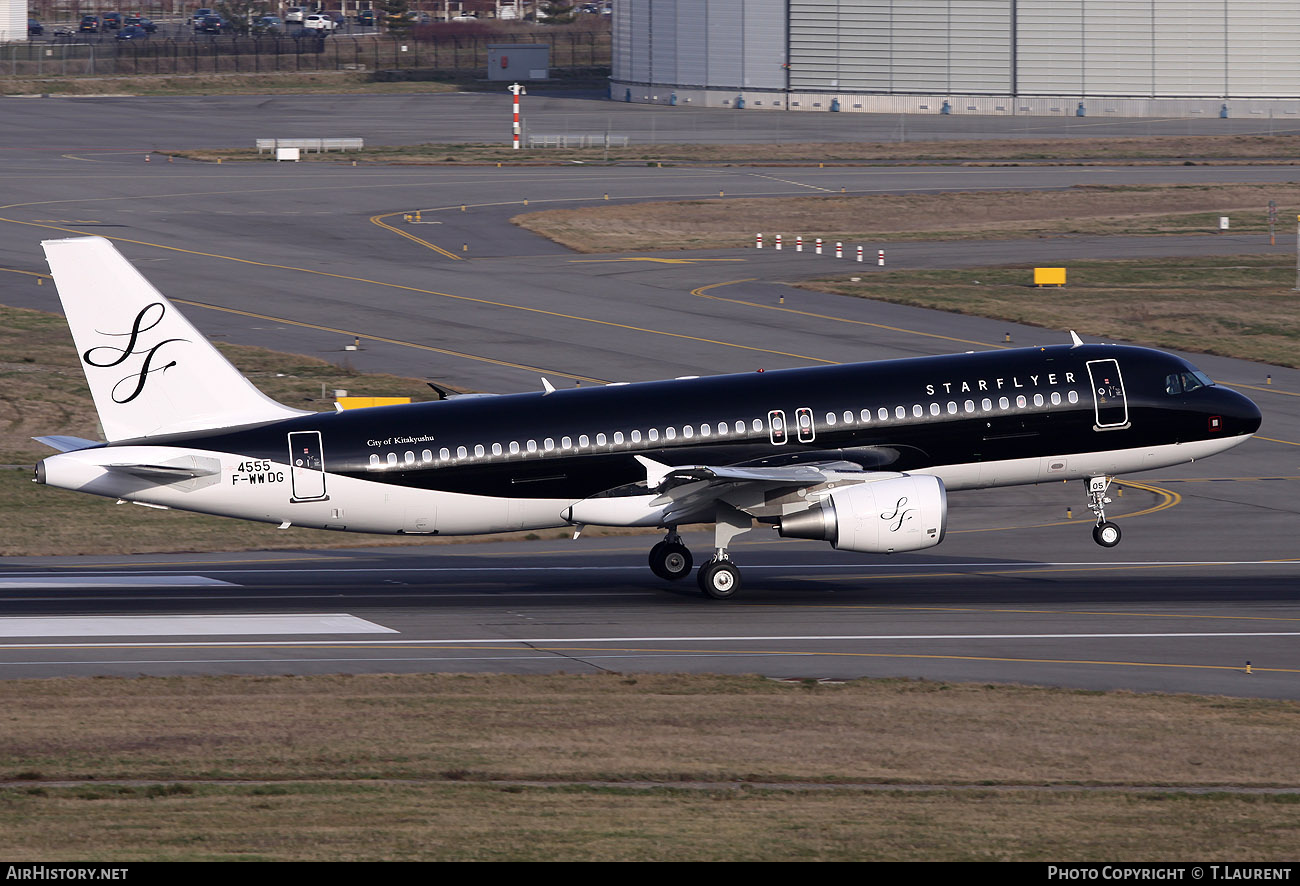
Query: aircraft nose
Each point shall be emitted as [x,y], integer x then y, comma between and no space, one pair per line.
[1240,414]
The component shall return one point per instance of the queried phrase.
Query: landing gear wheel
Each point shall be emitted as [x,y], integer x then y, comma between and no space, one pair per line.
[1106,534]
[719,579]
[670,561]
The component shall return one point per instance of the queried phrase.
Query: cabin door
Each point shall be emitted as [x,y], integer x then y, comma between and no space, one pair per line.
[307,466]
[1109,400]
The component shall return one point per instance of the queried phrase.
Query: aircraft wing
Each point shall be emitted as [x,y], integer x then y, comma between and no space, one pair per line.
[692,489]
[64,443]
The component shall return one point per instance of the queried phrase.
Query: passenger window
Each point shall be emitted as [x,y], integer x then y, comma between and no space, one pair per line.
[1074,397]
[496,448]
[688,432]
[636,436]
[952,408]
[740,427]
[884,414]
[901,412]
[618,437]
[1004,403]
[758,426]
[514,447]
[478,450]
[670,433]
[549,444]
[374,460]
[426,455]
[705,430]
[969,406]
[652,434]
[444,454]
[410,457]
[934,408]
[830,420]
[584,441]
[917,410]
[1038,399]
[865,415]
[986,404]
[601,439]
[532,445]
[848,417]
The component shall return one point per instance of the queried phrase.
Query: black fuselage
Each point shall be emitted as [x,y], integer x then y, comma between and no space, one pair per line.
[897,415]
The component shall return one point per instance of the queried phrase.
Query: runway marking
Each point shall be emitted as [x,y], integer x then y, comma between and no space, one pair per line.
[1265,388]
[465,298]
[110,581]
[186,625]
[550,642]
[788,182]
[379,220]
[1275,440]
[1009,566]
[662,261]
[391,341]
[700,291]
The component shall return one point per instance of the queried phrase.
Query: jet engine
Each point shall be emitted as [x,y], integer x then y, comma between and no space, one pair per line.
[904,513]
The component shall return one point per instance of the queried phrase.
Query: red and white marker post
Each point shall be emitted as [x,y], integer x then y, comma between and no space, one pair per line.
[819,245]
[798,243]
[758,241]
[516,90]
[880,258]
[778,242]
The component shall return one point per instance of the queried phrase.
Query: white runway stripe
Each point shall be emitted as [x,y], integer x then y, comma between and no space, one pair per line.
[160,580]
[187,625]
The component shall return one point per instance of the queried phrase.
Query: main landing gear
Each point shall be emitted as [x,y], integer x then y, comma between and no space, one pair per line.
[718,578]
[1105,533]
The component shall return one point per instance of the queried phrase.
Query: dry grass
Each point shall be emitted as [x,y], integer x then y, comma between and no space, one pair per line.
[1161,150]
[1085,209]
[1238,306]
[329,82]
[426,750]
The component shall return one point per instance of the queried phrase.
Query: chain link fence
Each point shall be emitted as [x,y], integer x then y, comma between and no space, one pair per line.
[267,54]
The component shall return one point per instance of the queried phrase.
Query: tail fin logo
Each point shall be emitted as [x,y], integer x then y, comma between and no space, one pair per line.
[131,385]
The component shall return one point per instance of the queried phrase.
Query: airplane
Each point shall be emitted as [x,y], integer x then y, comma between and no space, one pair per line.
[858,455]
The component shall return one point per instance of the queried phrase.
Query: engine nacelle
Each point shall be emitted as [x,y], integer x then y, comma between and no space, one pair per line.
[904,513]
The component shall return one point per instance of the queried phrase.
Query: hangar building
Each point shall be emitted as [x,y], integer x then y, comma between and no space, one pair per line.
[1083,57]
[13,20]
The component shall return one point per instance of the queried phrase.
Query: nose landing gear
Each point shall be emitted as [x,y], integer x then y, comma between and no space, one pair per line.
[670,559]
[1105,533]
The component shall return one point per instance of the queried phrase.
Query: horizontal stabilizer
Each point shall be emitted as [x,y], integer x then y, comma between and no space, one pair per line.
[65,444]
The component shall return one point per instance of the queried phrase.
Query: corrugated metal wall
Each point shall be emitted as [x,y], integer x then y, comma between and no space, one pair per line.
[721,43]
[1069,48]
[13,20]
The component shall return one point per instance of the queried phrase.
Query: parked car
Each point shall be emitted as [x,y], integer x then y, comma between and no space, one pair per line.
[319,22]
[211,24]
[34,28]
[112,21]
[89,24]
[269,24]
[199,16]
[132,32]
[366,17]
[140,21]
[296,14]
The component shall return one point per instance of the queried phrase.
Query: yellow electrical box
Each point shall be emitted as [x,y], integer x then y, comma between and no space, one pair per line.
[1049,276]
[366,402]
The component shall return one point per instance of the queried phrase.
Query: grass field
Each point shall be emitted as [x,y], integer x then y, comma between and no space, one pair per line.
[636,768]
[1236,306]
[727,223]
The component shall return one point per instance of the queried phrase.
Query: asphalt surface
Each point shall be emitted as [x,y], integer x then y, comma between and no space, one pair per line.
[305,258]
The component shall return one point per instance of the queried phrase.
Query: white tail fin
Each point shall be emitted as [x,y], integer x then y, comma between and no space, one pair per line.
[149,370]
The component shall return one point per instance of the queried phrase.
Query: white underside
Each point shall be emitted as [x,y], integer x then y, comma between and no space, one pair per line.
[360,505]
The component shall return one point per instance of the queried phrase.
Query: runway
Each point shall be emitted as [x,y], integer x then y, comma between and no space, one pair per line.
[292,257]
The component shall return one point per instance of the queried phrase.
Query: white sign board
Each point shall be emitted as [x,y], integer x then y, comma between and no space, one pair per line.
[287,154]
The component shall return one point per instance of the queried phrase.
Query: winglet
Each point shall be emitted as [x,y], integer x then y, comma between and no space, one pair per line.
[1074,337]
[550,388]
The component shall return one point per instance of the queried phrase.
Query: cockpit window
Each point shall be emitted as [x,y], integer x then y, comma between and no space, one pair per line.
[1186,382]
